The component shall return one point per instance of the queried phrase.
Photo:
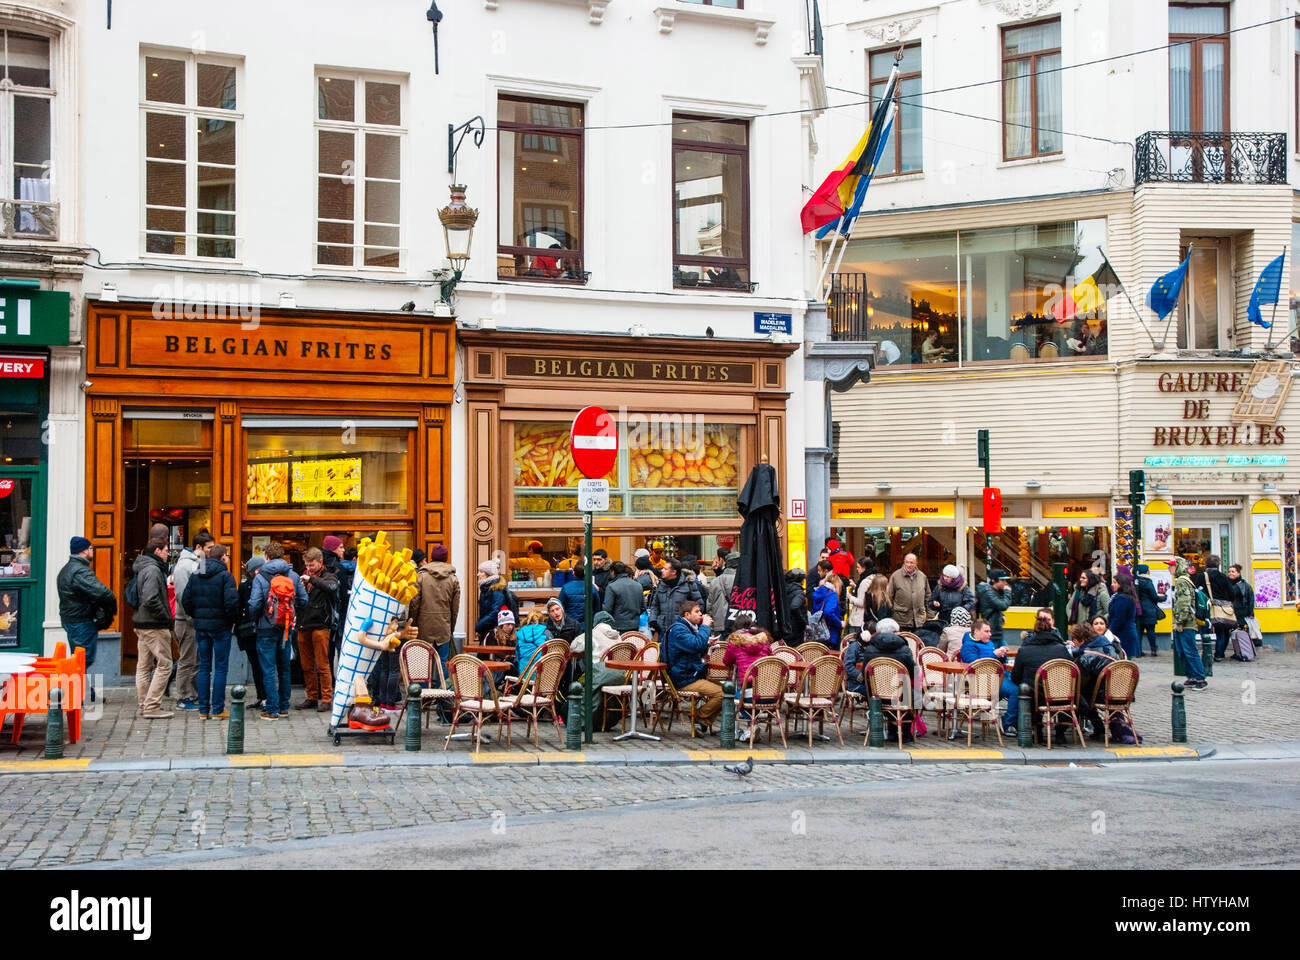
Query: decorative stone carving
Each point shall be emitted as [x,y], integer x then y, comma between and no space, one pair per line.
[893,31]
[1024,9]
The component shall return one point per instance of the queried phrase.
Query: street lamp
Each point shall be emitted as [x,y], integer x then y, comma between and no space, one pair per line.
[458,220]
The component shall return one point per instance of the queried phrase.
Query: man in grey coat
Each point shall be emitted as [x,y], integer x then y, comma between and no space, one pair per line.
[720,593]
[188,563]
[152,620]
[624,600]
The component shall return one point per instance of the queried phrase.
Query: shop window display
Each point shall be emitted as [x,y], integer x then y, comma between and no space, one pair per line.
[15,527]
[328,471]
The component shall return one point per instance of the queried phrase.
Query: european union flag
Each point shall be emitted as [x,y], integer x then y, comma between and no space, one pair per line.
[1267,290]
[1163,296]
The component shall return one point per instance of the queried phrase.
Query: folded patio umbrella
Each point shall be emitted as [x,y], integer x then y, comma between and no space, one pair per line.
[759,585]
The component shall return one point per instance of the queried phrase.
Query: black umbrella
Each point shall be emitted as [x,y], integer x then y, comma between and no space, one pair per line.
[759,586]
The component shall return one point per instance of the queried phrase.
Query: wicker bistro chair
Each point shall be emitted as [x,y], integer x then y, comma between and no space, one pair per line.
[935,695]
[825,682]
[469,678]
[790,655]
[812,650]
[419,663]
[718,671]
[1056,695]
[636,636]
[511,684]
[670,701]
[915,643]
[979,697]
[767,680]
[1112,697]
[538,690]
[649,685]
[888,679]
[620,693]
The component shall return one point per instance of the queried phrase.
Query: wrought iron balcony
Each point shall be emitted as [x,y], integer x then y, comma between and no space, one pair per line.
[846,307]
[1174,156]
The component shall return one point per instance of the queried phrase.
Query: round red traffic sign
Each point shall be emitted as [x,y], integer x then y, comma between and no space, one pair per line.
[594,438]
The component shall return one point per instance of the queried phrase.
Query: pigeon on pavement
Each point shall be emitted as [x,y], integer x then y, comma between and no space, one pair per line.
[741,770]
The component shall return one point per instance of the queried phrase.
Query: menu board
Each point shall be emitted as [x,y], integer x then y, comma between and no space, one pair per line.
[327,481]
[268,483]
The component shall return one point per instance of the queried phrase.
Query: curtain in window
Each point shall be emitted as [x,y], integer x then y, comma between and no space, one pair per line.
[1197,20]
[31,188]
[1017,120]
[1180,87]
[1049,104]
[1212,118]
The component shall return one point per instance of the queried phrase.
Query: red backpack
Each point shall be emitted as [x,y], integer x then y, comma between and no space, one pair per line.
[281,607]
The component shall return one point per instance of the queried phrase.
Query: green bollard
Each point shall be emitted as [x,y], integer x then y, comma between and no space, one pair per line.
[54,725]
[727,738]
[1179,713]
[413,718]
[1207,653]
[235,729]
[1025,719]
[573,725]
[875,724]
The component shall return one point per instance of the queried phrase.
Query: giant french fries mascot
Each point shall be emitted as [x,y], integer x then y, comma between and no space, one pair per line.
[384,584]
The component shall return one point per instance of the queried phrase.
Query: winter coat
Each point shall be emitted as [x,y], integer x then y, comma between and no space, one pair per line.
[952,641]
[720,596]
[826,601]
[436,605]
[603,636]
[80,592]
[684,652]
[1085,604]
[1184,598]
[1243,600]
[1146,591]
[345,571]
[860,653]
[951,597]
[841,564]
[624,601]
[492,596]
[797,606]
[154,612]
[742,655]
[1220,587]
[322,602]
[972,650]
[907,597]
[664,601]
[262,586]
[211,598]
[871,612]
[528,639]
[600,578]
[1041,646]
[857,603]
[246,622]
[187,565]
[568,629]
[574,599]
[992,605]
[1123,622]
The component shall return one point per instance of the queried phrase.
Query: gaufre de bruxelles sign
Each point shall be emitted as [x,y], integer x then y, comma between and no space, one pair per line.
[1193,431]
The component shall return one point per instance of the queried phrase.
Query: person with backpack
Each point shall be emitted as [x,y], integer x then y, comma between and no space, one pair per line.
[86,606]
[152,620]
[1185,626]
[314,630]
[246,630]
[211,600]
[274,601]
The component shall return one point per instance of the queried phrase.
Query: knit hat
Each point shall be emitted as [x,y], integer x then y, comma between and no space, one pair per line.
[78,544]
[506,616]
[438,554]
[602,617]
[418,557]
[995,574]
[643,562]
[556,601]
[255,563]
[331,543]
[832,544]
[952,571]
[888,625]
[960,617]
[1141,568]
[489,567]
[643,552]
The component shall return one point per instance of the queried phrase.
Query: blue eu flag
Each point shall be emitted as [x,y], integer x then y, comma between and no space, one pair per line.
[1267,289]
[1164,292]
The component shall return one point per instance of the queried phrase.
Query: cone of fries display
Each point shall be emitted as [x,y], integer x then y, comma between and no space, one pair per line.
[383,587]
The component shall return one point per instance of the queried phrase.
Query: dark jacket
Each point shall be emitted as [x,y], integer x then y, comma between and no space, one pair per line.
[154,612]
[993,606]
[1146,591]
[322,602]
[872,612]
[624,601]
[720,595]
[859,654]
[344,571]
[492,596]
[684,651]
[80,592]
[827,602]
[568,630]
[664,601]
[262,586]
[797,605]
[211,598]
[1243,600]
[574,599]
[1220,586]
[436,605]
[1041,646]
[600,578]
[950,598]
[246,622]
[1123,621]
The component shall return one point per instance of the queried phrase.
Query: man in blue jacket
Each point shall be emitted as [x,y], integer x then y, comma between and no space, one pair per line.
[272,648]
[978,645]
[684,650]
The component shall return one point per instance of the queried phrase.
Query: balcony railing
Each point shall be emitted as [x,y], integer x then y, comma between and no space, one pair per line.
[29,219]
[1188,157]
[846,309]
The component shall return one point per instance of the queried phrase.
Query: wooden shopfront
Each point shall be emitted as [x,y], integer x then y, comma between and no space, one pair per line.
[294,426]
[693,419]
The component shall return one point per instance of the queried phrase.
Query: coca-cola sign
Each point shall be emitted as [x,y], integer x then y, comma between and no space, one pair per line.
[6,488]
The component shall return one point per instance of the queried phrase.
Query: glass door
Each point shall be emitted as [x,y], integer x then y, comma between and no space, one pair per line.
[23,574]
[1206,302]
[1197,537]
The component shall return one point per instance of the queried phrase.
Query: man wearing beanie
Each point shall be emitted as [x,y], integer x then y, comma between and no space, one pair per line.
[437,604]
[86,606]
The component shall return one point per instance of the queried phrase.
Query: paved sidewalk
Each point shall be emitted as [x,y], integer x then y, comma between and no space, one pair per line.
[1254,703]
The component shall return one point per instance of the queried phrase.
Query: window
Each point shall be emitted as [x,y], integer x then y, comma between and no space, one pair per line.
[540,189]
[358,172]
[710,203]
[1205,302]
[903,154]
[26,121]
[1198,68]
[1031,90]
[190,131]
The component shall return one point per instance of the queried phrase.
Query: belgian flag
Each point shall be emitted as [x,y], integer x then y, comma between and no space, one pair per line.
[1088,296]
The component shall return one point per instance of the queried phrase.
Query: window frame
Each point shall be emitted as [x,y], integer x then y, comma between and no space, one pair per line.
[1196,42]
[520,130]
[898,99]
[1004,59]
[740,4]
[359,129]
[709,146]
[190,113]
[8,94]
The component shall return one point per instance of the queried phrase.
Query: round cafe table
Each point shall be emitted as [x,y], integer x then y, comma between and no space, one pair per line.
[636,668]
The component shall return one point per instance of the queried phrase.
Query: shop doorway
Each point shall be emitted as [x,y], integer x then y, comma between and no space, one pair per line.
[1203,536]
[174,491]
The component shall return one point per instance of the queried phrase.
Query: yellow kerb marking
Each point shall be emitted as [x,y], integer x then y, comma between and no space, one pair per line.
[1152,751]
[306,760]
[519,758]
[250,760]
[561,757]
[44,766]
[959,753]
[703,756]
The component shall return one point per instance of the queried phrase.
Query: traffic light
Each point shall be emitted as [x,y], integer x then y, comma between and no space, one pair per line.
[982,447]
[1137,487]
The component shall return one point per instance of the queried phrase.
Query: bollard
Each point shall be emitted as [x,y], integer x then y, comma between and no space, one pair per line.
[1025,719]
[727,737]
[413,717]
[235,729]
[1179,713]
[573,725]
[1207,653]
[875,724]
[54,726]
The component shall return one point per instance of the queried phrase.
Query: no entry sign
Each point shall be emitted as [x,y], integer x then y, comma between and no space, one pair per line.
[594,436]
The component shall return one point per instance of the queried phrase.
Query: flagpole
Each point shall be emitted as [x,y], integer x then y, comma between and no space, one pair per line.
[1272,324]
[830,252]
[1124,290]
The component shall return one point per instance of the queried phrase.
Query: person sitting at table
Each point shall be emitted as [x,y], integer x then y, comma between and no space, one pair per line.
[684,650]
[931,350]
[979,646]
[559,623]
[1093,653]
[744,646]
[603,636]
[530,636]
[1035,650]
[954,636]
[885,642]
[1101,639]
